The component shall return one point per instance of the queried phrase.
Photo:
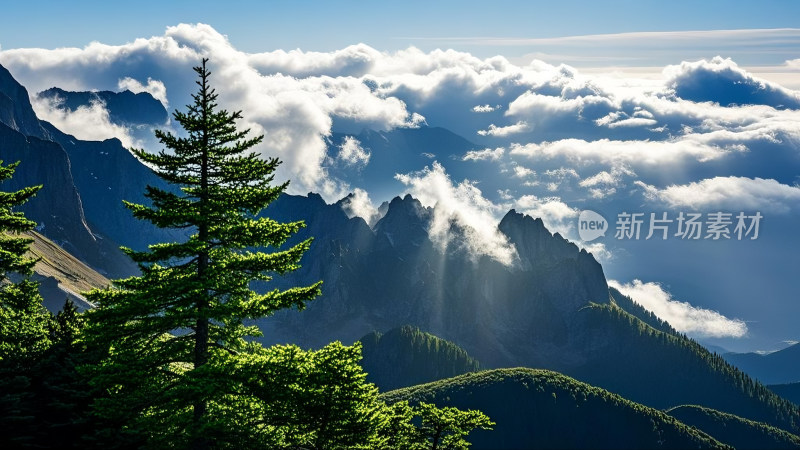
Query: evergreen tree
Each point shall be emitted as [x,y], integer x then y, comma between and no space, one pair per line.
[23,319]
[63,396]
[316,399]
[174,332]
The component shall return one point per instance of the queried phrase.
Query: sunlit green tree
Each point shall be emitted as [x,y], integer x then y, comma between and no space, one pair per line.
[23,320]
[174,333]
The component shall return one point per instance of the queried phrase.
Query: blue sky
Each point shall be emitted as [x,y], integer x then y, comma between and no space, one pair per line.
[625,106]
[329,25]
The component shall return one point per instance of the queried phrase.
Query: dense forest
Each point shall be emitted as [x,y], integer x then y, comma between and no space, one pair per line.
[544,409]
[703,377]
[733,430]
[406,356]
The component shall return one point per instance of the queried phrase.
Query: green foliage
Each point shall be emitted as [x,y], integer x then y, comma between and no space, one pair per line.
[399,430]
[734,430]
[543,409]
[23,320]
[448,427]
[406,356]
[173,334]
[311,399]
[426,426]
[63,395]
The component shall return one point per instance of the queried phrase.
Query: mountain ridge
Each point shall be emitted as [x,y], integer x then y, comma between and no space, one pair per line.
[780,367]
[544,409]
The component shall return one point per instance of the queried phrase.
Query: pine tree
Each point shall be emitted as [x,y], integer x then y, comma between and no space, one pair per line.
[316,399]
[23,319]
[174,332]
[63,395]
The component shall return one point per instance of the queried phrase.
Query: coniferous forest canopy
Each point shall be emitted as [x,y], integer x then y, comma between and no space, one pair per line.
[441,226]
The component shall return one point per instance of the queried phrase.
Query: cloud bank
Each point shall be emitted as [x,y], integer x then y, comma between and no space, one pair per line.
[730,193]
[682,316]
[88,123]
[553,114]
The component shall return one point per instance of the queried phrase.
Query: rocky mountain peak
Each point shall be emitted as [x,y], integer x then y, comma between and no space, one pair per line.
[15,107]
[535,244]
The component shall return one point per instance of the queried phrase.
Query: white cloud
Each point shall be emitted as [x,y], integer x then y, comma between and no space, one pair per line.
[464,205]
[359,204]
[599,250]
[562,173]
[153,87]
[682,316]
[732,193]
[485,154]
[353,61]
[605,183]
[602,177]
[484,108]
[523,172]
[629,153]
[89,123]
[559,176]
[494,130]
[351,152]
[295,114]
[732,84]
[556,215]
[298,99]
[621,119]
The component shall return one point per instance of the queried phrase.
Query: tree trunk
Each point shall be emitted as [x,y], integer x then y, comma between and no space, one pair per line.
[201,332]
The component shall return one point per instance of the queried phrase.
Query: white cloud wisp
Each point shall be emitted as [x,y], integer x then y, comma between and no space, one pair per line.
[682,316]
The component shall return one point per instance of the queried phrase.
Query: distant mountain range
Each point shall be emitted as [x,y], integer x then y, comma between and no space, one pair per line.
[779,367]
[550,309]
[124,108]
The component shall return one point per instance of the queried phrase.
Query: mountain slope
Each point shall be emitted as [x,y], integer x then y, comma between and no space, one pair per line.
[61,275]
[106,173]
[733,430]
[543,409]
[778,367]
[406,356]
[57,208]
[633,308]
[664,370]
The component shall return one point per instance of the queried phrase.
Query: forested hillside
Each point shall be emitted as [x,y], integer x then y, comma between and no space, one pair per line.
[544,409]
[733,430]
[406,356]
